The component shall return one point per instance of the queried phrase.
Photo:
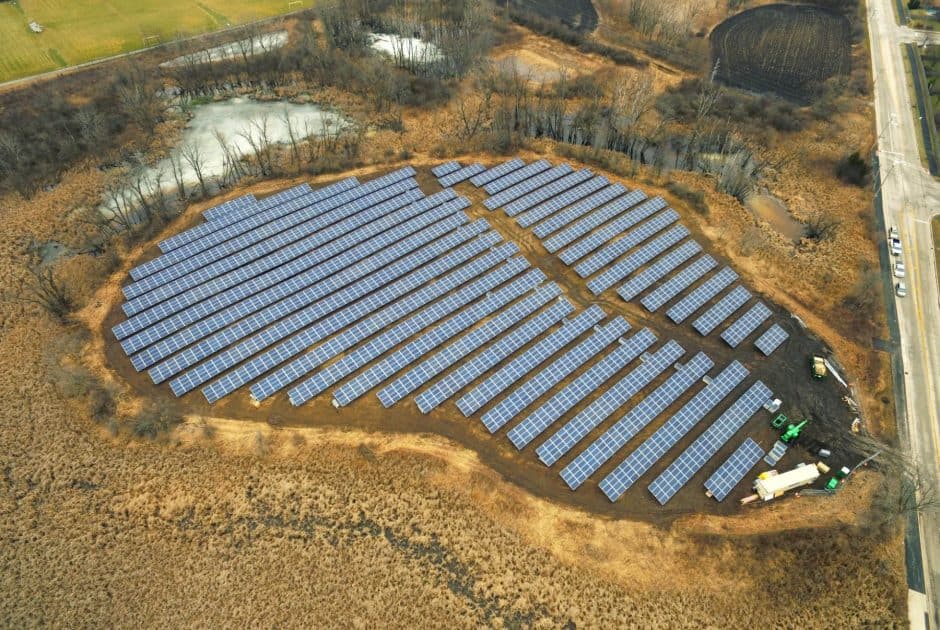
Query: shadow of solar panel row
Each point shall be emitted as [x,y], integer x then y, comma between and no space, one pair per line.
[526,186]
[557,371]
[659,268]
[203,243]
[665,486]
[616,228]
[461,347]
[585,421]
[170,243]
[636,259]
[434,313]
[579,388]
[377,321]
[514,177]
[266,288]
[343,307]
[529,360]
[742,327]
[537,196]
[668,435]
[460,175]
[678,283]
[577,210]
[263,240]
[695,300]
[222,210]
[559,201]
[639,417]
[721,310]
[732,471]
[503,347]
[300,308]
[492,174]
[587,215]
[771,339]
[446,168]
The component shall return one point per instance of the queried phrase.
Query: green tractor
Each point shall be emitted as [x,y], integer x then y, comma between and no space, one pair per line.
[793,432]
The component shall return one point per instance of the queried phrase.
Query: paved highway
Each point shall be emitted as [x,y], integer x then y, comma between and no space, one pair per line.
[911,197]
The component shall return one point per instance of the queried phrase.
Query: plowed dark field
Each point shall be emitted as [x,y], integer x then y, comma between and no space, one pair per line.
[785,49]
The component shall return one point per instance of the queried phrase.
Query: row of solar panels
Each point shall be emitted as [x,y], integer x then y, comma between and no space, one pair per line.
[618,236]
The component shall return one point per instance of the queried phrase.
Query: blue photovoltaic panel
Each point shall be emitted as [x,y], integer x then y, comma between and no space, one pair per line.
[496,172]
[557,370]
[576,429]
[529,360]
[191,234]
[458,176]
[602,215]
[408,354]
[771,339]
[707,444]
[233,204]
[613,250]
[746,324]
[636,259]
[682,309]
[446,168]
[307,362]
[579,388]
[556,203]
[518,190]
[732,471]
[537,196]
[642,281]
[721,310]
[464,345]
[604,193]
[413,325]
[218,218]
[615,228]
[466,372]
[648,453]
[616,437]
[678,283]
[403,310]
[515,176]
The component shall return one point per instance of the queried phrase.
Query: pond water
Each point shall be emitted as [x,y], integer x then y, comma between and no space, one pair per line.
[405,48]
[231,50]
[775,213]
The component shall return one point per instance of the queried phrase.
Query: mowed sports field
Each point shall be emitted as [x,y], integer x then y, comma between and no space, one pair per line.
[83,30]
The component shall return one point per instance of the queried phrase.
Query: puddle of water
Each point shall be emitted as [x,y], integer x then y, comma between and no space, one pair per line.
[231,50]
[51,251]
[775,213]
[406,49]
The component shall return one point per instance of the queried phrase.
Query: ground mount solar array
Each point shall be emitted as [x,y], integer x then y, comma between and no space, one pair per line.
[375,288]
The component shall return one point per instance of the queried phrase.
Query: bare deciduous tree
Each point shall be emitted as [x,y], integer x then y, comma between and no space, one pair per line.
[192,155]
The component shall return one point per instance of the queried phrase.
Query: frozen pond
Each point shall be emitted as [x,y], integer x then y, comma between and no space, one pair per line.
[250,46]
[405,49]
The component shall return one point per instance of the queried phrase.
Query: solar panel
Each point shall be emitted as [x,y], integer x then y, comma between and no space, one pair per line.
[465,373]
[598,217]
[706,445]
[556,203]
[446,168]
[511,179]
[557,370]
[614,229]
[648,453]
[682,309]
[559,220]
[496,172]
[576,429]
[464,345]
[528,185]
[625,243]
[579,388]
[746,324]
[460,175]
[537,196]
[771,339]
[197,231]
[732,471]
[222,209]
[678,283]
[408,354]
[403,310]
[636,259]
[721,310]
[642,281]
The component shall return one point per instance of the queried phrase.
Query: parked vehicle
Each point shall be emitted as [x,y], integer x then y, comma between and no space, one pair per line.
[896,246]
[901,289]
[899,269]
[893,232]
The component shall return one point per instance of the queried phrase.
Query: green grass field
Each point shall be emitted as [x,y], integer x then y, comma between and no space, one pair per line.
[84,30]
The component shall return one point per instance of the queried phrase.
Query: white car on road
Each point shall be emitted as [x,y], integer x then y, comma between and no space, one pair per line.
[896,246]
[901,289]
[899,269]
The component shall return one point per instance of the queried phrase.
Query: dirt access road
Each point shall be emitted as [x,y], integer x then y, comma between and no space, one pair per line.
[911,197]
